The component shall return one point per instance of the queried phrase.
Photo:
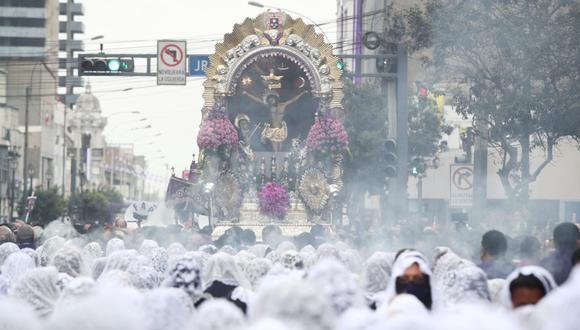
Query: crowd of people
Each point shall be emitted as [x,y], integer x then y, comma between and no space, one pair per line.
[152,278]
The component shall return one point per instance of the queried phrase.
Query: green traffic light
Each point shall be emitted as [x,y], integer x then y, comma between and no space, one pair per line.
[113,65]
[340,64]
[414,171]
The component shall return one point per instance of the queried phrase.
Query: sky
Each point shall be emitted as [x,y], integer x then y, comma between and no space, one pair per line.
[174,112]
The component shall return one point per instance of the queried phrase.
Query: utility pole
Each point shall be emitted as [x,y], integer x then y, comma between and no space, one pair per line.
[402,120]
[25,151]
[480,169]
[68,97]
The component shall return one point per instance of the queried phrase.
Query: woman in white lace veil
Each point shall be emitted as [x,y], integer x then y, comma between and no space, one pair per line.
[223,278]
[110,306]
[526,273]
[559,309]
[223,268]
[457,280]
[92,251]
[7,249]
[49,249]
[376,274]
[294,302]
[167,308]
[260,250]
[147,247]
[114,245]
[184,273]
[15,266]
[256,270]
[337,284]
[421,287]
[39,288]
[70,260]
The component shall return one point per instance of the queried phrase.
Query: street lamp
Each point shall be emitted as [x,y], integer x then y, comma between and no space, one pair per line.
[261,5]
[97,37]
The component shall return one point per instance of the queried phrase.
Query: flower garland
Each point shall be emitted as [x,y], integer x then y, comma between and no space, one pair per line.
[327,135]
[217,131]
[274,200]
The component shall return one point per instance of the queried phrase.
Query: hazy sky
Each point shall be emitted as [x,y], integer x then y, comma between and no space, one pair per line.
[133,26]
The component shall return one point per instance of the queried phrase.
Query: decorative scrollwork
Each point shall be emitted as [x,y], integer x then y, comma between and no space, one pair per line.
[314,190]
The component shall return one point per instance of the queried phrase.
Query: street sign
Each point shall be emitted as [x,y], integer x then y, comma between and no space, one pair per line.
[197,64]
[171,64]
[461,186]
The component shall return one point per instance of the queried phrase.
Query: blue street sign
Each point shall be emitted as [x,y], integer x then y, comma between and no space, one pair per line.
[197,64]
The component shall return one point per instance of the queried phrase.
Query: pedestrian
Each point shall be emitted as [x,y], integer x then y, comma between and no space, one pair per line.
[224,279]
[25,237]
[6,235]
[559,263]
[411,275]
[527,286]
[493,249]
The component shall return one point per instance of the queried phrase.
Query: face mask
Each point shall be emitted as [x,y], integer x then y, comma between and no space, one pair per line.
[421,291]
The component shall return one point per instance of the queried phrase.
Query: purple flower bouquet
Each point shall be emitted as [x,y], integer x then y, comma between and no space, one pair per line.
[327,136]
[217,132]
[274,200]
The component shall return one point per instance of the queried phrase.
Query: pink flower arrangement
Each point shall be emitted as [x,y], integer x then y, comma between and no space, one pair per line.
[217,131]
[327,135]
[274,200]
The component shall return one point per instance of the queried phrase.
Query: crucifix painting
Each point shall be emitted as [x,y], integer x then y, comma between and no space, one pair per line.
[275,94]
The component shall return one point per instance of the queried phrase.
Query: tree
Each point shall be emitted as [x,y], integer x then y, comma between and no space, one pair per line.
[365,124]
[49,206]
[93,206]
[366,119]
[113,195]
[517,65]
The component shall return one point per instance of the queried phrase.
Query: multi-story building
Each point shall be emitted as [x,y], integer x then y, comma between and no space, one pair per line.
[10,140]
[29,60]
[28,54]
[125,171]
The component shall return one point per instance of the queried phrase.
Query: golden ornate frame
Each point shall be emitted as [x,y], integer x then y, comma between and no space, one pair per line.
[296,41]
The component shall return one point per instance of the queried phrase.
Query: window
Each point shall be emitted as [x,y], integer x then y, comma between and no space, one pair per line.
[19,42]
[22,21]
[23,3]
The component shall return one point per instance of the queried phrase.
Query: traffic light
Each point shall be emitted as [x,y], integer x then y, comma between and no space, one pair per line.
[417,167]
[340,64]
[387,64]
[390,158]
[105,66]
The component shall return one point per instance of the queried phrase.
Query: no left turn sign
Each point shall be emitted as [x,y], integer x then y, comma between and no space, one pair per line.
[171,63]
[463,178]
[460,186]
[172,55]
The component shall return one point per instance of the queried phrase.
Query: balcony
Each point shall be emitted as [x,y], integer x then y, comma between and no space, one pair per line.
[77,9]
[76,27]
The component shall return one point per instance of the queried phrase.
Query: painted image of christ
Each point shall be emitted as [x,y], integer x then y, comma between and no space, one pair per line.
[276,132]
